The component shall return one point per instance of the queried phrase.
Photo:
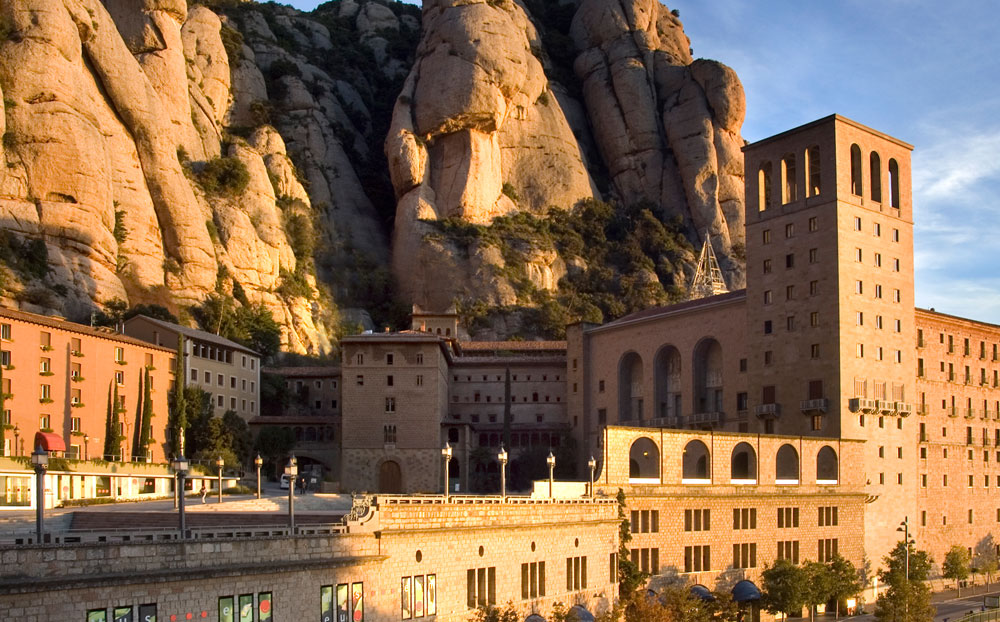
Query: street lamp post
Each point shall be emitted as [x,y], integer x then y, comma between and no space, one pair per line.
[446,455]
[502,456]
[292,471]
[17,431]
[551,461]
[257,462]
[180,465]
[593,466]
[220,463]
[86,447]
[905,528]
[40,460]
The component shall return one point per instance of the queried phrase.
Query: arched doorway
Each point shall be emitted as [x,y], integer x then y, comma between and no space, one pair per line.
[708,377]
[390,478]
[668,384]
[630,388]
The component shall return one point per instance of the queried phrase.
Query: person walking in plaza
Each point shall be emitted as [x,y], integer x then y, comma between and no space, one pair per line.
[204,491]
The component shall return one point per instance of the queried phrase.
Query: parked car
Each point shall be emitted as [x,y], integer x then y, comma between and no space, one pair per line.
[284,481]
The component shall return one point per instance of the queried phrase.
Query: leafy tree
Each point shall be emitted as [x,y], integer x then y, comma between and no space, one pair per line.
[680,603]
[495,614]
[274,444]
[985,558]
[274,395]
[907,600]
[237,435]
[818,586]
[643,608]
[956,566]
[630,578]
[252,326]
[784,588]
[845,579]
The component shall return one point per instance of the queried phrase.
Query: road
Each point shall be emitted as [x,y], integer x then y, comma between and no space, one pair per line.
[948,611]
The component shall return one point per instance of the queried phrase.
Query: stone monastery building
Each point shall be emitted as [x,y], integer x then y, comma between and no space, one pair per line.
[826,405]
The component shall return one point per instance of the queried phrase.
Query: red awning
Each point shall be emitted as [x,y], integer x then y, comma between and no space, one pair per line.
[49,442]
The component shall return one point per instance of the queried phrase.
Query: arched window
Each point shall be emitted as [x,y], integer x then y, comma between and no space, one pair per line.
[893,183]
[788,186]
[813,182]
[744,463]
[630,388]
[667,384]
[644,460]
[764,186]
[827,469]
[696,467]
[875,163]
[708,376]
[856,170]
[786,465]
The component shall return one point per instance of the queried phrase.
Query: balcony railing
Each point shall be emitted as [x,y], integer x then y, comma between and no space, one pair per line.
[705,418]
[886,407]
[922,409]
[820,404]
[767,410]
[952,411]
[970,413]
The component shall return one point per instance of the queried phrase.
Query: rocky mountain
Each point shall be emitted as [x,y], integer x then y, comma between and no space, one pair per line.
[527,159]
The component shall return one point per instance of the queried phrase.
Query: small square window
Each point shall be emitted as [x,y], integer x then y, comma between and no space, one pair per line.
[813,225]
[790,260]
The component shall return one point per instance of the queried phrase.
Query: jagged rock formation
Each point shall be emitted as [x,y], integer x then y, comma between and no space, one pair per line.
[667,126]
[167,153]
[478,132]
[479,124]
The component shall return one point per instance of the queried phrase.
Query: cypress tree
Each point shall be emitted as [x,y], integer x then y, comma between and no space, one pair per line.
[137,449]
[109,441]
[146,436]
[3,420]
[178,411]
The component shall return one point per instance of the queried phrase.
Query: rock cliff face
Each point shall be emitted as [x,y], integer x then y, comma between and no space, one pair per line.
[479,132]
[167,153]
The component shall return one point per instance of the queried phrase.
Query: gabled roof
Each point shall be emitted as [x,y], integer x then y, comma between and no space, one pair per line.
[190,333]
[100,332]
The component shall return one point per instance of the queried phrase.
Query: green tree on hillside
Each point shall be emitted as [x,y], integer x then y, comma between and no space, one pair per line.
[905,599]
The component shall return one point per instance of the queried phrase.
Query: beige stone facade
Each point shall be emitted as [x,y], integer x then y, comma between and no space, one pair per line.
[477,551]
[224,368]
[716,507]
[58,376]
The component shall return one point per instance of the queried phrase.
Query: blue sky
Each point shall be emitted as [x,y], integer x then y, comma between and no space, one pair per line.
[925,72]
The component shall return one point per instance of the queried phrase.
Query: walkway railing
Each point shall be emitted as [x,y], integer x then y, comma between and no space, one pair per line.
[162,534]
[983,616]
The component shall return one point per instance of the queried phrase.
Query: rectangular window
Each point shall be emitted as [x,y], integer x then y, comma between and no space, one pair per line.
[789,549]
[745,555]
[814,318]
[767,266]
[390,404]
[813,225]
[744,518]
[697,520]
[481,587]
[857,223]
[697,558]
[576,573]
[828,516]
[532,580]
[813,255]
[790,260]
[766,236]
[788,518]
[5,332]
[119,355]
[827,549]
[789,230]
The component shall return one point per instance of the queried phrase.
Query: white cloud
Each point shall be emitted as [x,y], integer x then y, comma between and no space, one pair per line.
[957,166]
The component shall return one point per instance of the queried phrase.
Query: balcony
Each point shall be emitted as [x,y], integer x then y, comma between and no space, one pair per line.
[708,418]
[861,404]
[970,413]
[767,410]
[819,405]
[952,411]
[904,408]
[922,409]
[885,407]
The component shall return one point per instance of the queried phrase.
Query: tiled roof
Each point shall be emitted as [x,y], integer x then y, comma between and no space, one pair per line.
[193,333]
[512,346]
[679,307]
[91,331]
[305,372]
